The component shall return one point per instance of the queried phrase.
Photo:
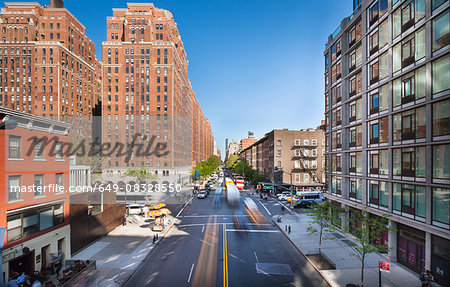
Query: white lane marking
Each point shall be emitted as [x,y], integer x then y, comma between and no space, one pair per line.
[288,209]
[256,256]
[227,223]
[253,230]
[184,207]
[190,273]
[203,228]
[265,208]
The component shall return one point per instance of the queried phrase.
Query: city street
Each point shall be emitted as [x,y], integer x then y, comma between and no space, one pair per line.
[207,249]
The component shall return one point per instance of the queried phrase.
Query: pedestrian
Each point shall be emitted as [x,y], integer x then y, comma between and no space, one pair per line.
[426,278]
[53,262]
[282,209]
[124,219]
[13,280]
[60,260]
[154,238]
[289,229]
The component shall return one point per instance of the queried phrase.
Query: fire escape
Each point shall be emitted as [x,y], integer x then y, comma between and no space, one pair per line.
[303,152]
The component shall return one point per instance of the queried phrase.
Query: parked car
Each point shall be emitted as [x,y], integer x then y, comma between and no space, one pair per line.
[283,196]
[202,194]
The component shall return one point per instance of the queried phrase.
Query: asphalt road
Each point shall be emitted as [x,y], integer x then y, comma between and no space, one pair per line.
[207,249]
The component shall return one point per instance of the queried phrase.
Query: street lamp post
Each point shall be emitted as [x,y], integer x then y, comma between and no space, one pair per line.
[292,190]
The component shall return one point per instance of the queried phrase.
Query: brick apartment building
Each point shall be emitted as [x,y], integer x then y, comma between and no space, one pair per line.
[36,221]
[387,99]
[283,152]
[248,141]
[48,65]
[147,91]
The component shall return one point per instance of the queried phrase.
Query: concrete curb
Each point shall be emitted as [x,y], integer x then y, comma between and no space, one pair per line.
[146,256]
[307,259]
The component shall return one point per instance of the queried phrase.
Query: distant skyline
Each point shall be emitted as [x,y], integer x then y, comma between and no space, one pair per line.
[254,65]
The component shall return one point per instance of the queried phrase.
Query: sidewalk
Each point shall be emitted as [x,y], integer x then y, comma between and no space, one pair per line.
[339,253]
[119,253]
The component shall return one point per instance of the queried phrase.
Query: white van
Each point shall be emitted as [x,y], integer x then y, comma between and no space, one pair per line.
[135,209]
[306,198]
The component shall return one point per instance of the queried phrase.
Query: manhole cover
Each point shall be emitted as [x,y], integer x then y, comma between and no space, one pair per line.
[273,269]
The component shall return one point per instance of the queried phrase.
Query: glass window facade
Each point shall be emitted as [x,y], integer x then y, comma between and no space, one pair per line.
[441,74]
[441,30]
[441,161]
[441,206]
[441,118]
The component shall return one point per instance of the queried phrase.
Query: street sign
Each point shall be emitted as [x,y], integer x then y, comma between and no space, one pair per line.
[268,187]
[385,266]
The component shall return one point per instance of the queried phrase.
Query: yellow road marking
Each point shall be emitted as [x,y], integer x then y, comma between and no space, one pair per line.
[225,257]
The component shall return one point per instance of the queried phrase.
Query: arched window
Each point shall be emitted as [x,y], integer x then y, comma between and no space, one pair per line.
[117,51]
[109,51]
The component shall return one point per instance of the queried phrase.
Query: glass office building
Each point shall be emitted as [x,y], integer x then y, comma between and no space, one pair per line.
[387,108]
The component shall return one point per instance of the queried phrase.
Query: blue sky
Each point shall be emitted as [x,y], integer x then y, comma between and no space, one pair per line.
[254,65]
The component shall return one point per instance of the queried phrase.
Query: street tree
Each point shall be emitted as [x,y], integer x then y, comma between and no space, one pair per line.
[367,230]
[231,160]
[207,167]
[321,218]
[94,160]
[141,174]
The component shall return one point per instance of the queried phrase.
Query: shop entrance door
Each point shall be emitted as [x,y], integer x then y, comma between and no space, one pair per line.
[24,263]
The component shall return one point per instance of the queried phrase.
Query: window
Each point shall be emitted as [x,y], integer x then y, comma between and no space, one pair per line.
[441,118]
[378,162]
[39,184]
[378,193]
[441,160]
[356,162]
[411,49]
[441,30]
[336,94]
[306,142]
[441,208]
[355,58]
[436,4]
[379,131]
[441,74]
[336,50]
[14,147]
[58,150]
[13,187]
[409,199]
[356,84]
[335,72]
[407,15]
[356,110]
[38,149]
[409,162]
[279,152]
[410,87]
[373,13]
[278,142]
[355,189]
[355,33]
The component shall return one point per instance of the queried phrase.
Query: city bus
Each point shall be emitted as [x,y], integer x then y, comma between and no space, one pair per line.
[239,181]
